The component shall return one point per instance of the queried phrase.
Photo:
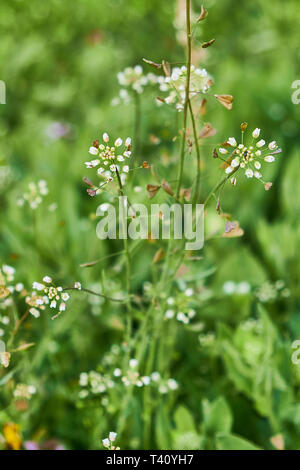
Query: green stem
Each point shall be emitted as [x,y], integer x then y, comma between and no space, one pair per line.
[197,186]
[218,185]
[187,93]
[128,276]
[96,293]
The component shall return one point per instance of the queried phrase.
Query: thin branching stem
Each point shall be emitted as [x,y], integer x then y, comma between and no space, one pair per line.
[218,185]
[107,297]
[187,93]
[197,185]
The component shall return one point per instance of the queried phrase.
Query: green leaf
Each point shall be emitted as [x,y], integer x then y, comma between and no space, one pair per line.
[184,420]
[233,442]
[217,416]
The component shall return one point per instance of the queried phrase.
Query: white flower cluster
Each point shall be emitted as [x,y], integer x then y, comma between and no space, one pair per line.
[35,194]
[132,79]
[50,295]
[240,288]
[7,275]
[24,391]
[249,157]
[184,314]
[108,441]
[175,84]
[110,160]
[269,292]
[95,383]
[164,385]
[180,316]
[251,324]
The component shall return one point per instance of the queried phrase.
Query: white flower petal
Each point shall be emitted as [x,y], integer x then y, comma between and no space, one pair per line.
[260,143]
[231,141]
[256,133]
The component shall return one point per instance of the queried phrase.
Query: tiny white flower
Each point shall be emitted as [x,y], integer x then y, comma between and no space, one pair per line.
[53,304]
[257,165]
[93,150]
[155,376]
[113,167]
[269,158]
[62,307]
[182,317]
[231,141]
[31,389]
[146,380]
[243,287]
[272,145]
[258,153]
[257,174]
[77,285]
[117,372]
[172,384]
[34,312]
[229,287]
[169,314]
[19,287]
[106,442]
[235,162]
[118,142]
[105,137]
[223,151]
[191,313]
[163,389]
[256,133]
[138,70]
[8,270]
[125,168]
[65,296]
[83,379]
[120,158]
[233,181]
[47,279]
[261,143]
[189,292]
[100,170]
[112,436]
[228,170]
[38,286]
[133,363]
[249,173]
[128,142]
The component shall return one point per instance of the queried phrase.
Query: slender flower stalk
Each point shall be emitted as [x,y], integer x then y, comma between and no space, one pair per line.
[187,93]
[196,142]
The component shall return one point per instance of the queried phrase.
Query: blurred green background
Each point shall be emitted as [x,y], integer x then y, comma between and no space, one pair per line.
[59,61]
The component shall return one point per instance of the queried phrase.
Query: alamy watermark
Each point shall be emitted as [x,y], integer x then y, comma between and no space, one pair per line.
[296,95]
[2,92]
[138,221]
[296,353]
